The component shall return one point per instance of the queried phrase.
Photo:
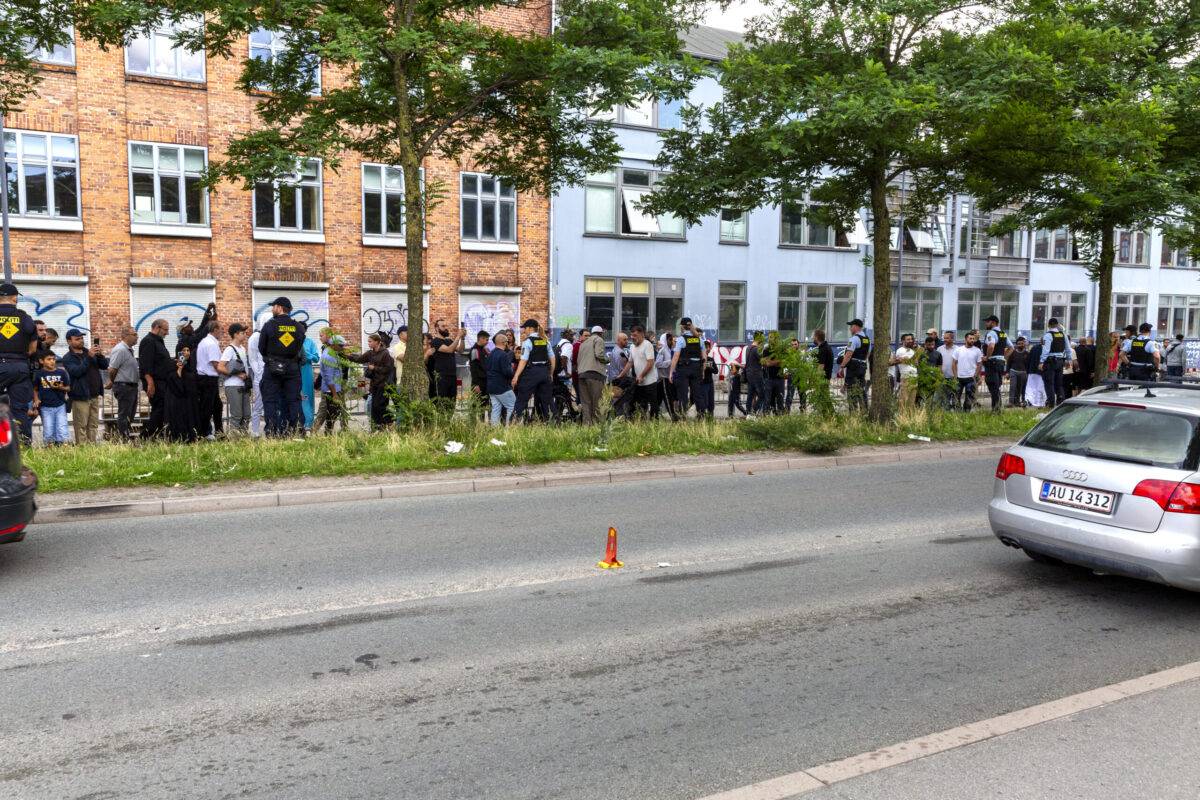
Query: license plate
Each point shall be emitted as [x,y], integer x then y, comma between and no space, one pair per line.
[1077,497]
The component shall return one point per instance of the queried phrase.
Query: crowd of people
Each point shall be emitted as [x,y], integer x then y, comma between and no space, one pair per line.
[229,380]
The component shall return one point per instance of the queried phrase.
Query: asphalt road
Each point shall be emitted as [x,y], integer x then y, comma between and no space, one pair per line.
[467,647]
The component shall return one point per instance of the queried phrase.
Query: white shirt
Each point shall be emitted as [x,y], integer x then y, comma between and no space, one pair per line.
[642,356]
[566,349]
[230,355]
[967,361]
[907,368]
[257,365]
[948,355]
[207,352]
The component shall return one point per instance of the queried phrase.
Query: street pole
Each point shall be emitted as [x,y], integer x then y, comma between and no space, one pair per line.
[4,204]
[900,258]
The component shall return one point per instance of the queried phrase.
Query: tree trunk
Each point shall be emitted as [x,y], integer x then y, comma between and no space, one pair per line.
[882,408]
[1104,272]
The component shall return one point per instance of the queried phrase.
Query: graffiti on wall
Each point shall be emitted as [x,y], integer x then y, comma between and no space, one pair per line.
[387,317]
[311,309]
[60,307]
[489,312]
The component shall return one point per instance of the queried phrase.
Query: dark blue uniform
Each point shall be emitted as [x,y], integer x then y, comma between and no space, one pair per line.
[688,372]
[281,341]
[856,371]
[17,331]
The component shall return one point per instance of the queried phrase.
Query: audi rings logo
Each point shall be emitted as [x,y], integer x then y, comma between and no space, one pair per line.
[1072,475]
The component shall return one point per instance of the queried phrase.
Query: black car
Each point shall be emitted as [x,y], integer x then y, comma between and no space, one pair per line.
[18,484]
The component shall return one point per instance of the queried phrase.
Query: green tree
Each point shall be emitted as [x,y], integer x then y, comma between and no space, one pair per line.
[27,25]
[834,99]
[1070,112]
[421,79]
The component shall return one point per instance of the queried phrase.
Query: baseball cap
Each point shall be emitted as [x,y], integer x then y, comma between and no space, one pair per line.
[73,332]
[8,290]
[282,301]
[685,321]
[337,340]
[530,323]
[992,318]
[597,329]
[855,321]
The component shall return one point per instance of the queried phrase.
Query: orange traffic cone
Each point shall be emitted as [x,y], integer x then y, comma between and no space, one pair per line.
[610,552]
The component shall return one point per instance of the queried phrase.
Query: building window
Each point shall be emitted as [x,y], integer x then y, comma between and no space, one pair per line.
[383,201]
[804,308]
[43,174]
[800,228]
[1176,257]
[63,54]
[656,304]
[974,305]
[154,53]
[1068,308]
[731,311]
[1128,309]
[641,114]
[734,226]
[611,206]
[1178,314]
[489,209]
[669,114]
[919,310]
[1133,247]
[975,239]
[291,203]
[272,46]
[164,185]
[1056,245]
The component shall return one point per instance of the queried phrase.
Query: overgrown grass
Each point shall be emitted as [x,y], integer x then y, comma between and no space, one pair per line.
[106,465]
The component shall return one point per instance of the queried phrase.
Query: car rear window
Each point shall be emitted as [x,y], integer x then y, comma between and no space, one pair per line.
[1138,435]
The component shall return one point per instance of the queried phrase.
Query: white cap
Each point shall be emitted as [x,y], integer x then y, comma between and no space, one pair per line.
[597,329]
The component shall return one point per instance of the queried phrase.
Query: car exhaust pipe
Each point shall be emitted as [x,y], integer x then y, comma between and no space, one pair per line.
[1008,541]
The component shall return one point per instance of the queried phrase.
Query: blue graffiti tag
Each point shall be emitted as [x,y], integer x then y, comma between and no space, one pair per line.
[40,310]
[155,312]
[298,314]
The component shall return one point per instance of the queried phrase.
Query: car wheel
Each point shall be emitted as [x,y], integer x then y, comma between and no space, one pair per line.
[1041,558]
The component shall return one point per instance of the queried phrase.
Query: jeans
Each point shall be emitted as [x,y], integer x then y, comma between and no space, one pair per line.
[85,418]
[966,393]
[505,401]
[238,400]
[281,400]
[54,424]
[1175,371]
[1017,382]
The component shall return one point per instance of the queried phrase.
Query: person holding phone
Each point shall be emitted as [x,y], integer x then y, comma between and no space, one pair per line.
[445,362]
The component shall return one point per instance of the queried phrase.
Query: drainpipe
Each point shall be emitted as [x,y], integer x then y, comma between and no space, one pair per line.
[4,208]
[551,277]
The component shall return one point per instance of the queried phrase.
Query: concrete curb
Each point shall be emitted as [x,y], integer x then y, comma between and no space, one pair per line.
[502,483]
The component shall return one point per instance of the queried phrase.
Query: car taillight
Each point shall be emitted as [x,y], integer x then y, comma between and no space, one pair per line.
[1178,498]
[5,431]
[1010,465]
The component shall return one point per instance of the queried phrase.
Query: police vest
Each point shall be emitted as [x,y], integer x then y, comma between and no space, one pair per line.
[286,338]
[864,348]
[539,353]
[14,332]
[1001,343]
[693,349]
[1138,354]
[1058,342]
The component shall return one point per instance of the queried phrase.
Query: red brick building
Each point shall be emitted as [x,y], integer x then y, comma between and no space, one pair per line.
[109,228]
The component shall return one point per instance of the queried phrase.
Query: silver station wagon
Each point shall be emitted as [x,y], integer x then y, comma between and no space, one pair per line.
[1109,481]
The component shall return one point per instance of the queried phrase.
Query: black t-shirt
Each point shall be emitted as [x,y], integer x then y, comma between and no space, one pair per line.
[753,363]
[772,371]
[444,363]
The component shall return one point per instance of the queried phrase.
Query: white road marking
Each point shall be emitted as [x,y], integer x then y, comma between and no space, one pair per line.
[798,783]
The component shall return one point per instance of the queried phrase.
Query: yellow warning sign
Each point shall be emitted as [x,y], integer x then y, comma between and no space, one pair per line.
[285,340]
[8,329]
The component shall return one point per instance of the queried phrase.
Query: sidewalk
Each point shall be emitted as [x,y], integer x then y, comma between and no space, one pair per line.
[160,500]
[1146,746]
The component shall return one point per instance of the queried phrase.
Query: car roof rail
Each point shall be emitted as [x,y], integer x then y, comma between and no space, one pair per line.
[1116,384]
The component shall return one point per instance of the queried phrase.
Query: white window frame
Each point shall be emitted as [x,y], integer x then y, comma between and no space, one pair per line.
[50,220]
[923,299]
[1048,301]
[498,199]
[1135,307]
[385,239]
[805,326]
[278,45]
[1189,305]
[295,182]
[1006,306]
[158,227]
[1135,252]
[840,239]
[168,30]
[44,56]
[1171,257]
[1073,246]
[739,297]
[742,218]
[614,181]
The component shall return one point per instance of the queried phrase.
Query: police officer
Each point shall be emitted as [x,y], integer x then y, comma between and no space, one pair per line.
[532,378]
[1056,346]
[1141,355]
[854,365]
[996,348]
[281,342]
[18,341]
[687,365]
